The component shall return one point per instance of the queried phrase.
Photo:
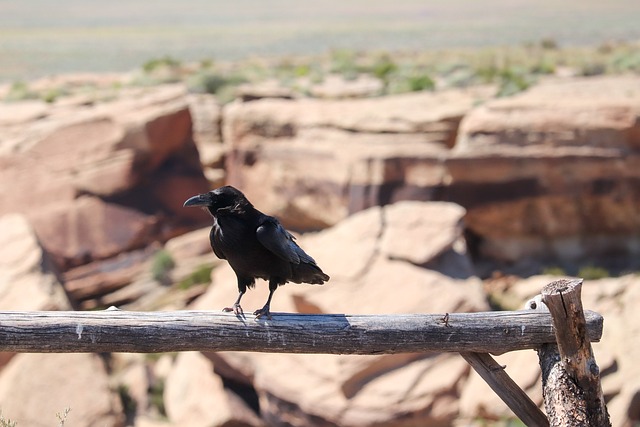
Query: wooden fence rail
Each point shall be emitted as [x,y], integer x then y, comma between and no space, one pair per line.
[473,335]
[150,332]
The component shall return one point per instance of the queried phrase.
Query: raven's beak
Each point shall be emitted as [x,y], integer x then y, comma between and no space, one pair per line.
[199,200]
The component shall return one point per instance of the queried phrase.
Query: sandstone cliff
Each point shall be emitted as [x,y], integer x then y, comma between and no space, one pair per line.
[550,173]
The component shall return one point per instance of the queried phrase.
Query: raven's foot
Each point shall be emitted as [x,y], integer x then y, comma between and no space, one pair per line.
[237,310]
[264,311]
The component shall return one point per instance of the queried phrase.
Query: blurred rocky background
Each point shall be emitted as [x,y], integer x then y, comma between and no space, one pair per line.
[429,181]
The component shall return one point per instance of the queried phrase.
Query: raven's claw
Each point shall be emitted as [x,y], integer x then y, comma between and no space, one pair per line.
[264,311]
[237,310]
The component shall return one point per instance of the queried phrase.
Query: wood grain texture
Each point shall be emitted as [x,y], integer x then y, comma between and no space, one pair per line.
[150,332]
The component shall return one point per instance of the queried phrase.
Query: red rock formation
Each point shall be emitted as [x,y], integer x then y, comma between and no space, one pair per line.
[99,180]
[551,172]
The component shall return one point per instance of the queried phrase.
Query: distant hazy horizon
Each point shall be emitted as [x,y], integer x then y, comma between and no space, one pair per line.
[40,37]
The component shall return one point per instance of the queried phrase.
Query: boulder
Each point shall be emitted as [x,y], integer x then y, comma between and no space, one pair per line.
[207,133]
[28,279]
[195,396]
[379,150]
[367,273]
[269,88]
[206,114]
[22,112]
[133,376]
[83,166]
[335,86]
[88,228]
[446,247]
[93,280]
[36,387]
[302,390]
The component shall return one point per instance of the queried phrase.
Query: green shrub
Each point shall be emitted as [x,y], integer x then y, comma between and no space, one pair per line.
[52,94]
[20,91]
[202,274]
[157,63]
[549,44]
[206,82]
[544,66]
[593,68]
[488,73]
[214,82]
[554,271]
[462,76]
[628,61]
[161,265]
[160,70]
[206,63]
[421,82]
[156,396]
[344,62]
[513,81]
[412,82]
[593,273]
[129,405]
[383,67]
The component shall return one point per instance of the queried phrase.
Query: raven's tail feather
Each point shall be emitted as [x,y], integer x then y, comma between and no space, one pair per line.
[308,273]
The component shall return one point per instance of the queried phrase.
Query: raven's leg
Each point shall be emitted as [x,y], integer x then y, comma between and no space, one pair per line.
[237,310]
[265,311]
[242,287]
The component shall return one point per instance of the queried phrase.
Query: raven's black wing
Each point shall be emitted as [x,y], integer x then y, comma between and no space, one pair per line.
[213,238]
[279,241]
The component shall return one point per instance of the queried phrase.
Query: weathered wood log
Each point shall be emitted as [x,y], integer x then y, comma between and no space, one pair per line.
[571,378]
[510,393]
[563,400]
[149,332]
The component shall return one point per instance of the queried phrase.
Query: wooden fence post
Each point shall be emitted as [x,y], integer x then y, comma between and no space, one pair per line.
[571,378]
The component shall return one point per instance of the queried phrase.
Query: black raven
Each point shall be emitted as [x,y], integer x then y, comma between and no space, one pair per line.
[255,245]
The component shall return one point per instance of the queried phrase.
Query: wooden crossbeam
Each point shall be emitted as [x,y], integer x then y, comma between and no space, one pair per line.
[149,332]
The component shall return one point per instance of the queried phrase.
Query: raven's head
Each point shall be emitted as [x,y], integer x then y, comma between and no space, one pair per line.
[225,199]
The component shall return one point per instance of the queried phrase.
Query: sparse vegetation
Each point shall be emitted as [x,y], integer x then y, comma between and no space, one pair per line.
[155,64]
[6,422]
[511,69]
[129,405]
[161,265]
[554,271]
[512,81]
[156,396]
[20,91]
[344,62]
[200,275]
[209,80]
[383,68]
[62,416]
[593,273]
